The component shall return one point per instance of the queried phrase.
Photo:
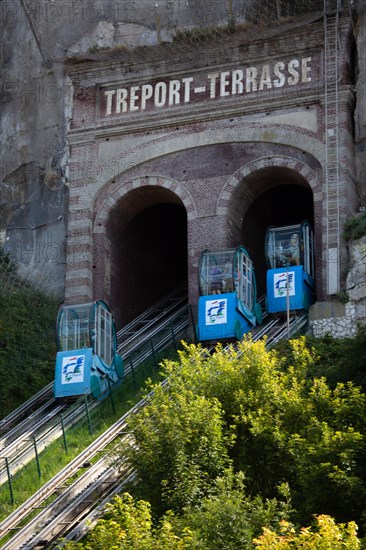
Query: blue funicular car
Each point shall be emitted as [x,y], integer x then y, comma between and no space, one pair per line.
[228,306]
[290,258]
[86,361]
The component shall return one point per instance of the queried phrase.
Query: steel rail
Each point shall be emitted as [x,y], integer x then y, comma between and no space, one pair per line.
[21,449]
[75,501]
[12,521]
[58,481]
[177,296]
[76,510]
[32,420]
[26,408]
[89,520]
[145,339]
[151,328]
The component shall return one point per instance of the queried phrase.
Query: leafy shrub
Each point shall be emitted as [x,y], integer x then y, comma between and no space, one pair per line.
[277,421]
[338,359]
[27,338]
[355,227]
[326,534]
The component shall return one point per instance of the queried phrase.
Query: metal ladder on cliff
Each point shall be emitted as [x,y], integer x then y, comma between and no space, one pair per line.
[331,109]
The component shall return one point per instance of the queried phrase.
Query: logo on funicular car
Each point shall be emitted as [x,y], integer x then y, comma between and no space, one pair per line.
[73,369]
[216,312]
[284,283]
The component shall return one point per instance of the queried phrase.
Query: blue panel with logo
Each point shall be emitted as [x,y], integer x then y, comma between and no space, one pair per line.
[87,361]
[220,319]
[72,373]
[290,257]
[227,307]
[289,288]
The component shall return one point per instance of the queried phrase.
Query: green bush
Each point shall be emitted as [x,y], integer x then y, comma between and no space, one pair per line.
[338,359]
[27,338]
[279,421]
[355,228]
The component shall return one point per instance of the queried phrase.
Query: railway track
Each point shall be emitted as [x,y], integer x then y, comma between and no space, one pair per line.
[26,414]
[76,503]
[278,328]
[50,427]
[73,498]
[161,312]
[26,427]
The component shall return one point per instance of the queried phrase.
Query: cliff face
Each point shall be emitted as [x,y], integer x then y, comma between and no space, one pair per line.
[32,199]
[37,37]
[360,111]
[356,278]
[340,319]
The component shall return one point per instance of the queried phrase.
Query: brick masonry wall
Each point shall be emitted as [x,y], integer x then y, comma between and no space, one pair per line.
[206,155]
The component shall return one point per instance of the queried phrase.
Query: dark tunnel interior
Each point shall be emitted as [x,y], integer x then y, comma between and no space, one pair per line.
[149,258]
[149,241]
[281,205]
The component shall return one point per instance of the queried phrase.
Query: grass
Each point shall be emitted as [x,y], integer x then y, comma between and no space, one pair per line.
[27,481]
[27,338]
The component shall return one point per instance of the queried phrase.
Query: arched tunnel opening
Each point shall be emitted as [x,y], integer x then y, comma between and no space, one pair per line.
[148,251]
[279,204]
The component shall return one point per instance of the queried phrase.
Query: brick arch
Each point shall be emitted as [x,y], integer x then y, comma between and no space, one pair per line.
[157,147]
[303,169]
[107,199]
[84,234]
[230,206]
[124,188]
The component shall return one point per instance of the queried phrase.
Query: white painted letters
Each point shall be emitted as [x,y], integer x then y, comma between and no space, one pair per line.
[294,79]
[236,82]
[305,70]
[134,98]
[212,78]
[121,100]
[109,94]
[187,82]
[160,94]
[251,79]
[278,71]
[146,93]
[174,95]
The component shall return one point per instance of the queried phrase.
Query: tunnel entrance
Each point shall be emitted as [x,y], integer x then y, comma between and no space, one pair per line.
[281,197]
[148,237]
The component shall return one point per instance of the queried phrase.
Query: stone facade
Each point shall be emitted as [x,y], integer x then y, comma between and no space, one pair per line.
[233,146]
[339,320]
[162,144]
[342,320]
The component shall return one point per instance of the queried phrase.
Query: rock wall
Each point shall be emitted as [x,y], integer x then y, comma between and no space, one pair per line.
[37,37]
[339,319]
[356,279]
[360,111]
